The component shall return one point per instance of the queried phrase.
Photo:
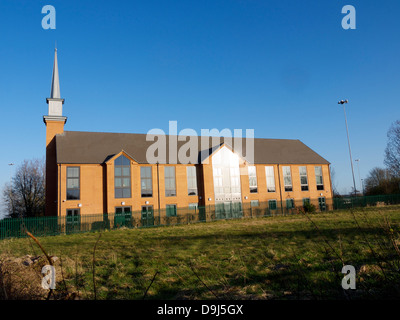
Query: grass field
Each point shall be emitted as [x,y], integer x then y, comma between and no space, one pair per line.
[286,257]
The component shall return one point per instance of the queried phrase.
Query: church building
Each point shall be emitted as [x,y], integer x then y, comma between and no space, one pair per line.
[101,173]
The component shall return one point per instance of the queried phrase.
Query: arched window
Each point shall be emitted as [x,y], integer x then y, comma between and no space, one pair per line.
[122,177]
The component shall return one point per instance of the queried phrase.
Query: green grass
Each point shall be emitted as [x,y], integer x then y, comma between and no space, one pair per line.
[263,258]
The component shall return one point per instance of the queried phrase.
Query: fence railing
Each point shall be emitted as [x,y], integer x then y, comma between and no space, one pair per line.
[47,226]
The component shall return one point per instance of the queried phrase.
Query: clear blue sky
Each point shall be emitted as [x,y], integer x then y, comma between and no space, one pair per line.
[278,67]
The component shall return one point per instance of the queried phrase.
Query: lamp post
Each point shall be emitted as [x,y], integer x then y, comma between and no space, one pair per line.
[362,185]
[343,102]
[359,176]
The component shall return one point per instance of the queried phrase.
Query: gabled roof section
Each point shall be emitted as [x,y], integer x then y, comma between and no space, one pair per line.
[98,147]
[115,156]
[204,157]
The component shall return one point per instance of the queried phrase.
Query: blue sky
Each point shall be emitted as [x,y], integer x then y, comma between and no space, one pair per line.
[278,67]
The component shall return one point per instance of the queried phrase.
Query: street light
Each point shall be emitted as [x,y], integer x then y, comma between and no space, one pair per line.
[362,185]
[342,102]
[359,176]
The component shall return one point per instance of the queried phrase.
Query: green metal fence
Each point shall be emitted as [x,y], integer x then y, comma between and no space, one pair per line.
[46,226]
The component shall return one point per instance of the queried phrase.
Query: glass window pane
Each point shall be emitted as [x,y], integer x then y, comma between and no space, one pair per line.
[72,183]
[118,161]
[125,161]
[73,172]
[118,171]
[118,193]
[126,171]
[126,182]
[126,192]
[72,194]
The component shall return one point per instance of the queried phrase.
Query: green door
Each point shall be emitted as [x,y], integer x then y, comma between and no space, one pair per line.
[147,216]
[322,204]
[73,221]
[123,217]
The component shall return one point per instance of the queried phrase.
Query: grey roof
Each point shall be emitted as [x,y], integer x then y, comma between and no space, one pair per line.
[75,147]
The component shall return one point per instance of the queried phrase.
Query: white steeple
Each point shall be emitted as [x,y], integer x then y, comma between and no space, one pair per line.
[55,102]
[55,83]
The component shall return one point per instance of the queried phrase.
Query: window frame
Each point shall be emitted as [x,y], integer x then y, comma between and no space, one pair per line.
[168,206]
[270,176]
[254,203]
[319,186]
[252,177]
[146,180]
[193,179]
[303,187]
[272,201]
[74,178]
[123,177]
[284,175]
[292,206]
[169,178]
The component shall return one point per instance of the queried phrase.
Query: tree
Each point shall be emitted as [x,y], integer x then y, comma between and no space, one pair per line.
[25,195]
[392,151]
[381,181]
[333,180]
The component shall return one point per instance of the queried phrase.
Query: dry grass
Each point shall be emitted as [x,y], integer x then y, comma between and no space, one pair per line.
[263,258]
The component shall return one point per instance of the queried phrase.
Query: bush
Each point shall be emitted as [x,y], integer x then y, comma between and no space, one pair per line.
[309,208]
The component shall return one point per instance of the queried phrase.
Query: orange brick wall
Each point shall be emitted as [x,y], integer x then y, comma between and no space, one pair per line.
[97,188]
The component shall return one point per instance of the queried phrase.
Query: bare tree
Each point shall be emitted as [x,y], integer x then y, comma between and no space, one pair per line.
[392,151]
[25,195]
[333,180]
[381,181]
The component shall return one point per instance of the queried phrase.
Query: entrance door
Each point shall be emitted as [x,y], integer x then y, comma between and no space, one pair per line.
[123,217]
[147,216]
[322,204]
[73,221]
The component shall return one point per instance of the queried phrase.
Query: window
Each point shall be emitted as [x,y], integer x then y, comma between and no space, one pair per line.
[272,204]
[191,180]
[121,210]
[303,178]
[254,203]
[269,172]
[169,179]
[306,201]
[252,179]
[73,212]
[146,182]
[318,177]
[122,177]
[193,206]
[235,180]
[73,189]
[287,178]
[171,210]
[289,203]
